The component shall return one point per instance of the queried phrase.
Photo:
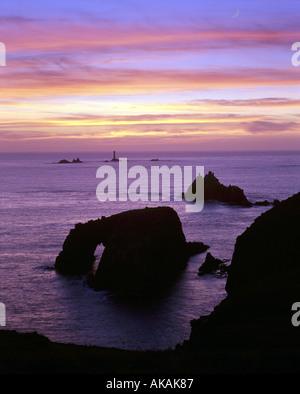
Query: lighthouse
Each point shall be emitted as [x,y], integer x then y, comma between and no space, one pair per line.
[114,157]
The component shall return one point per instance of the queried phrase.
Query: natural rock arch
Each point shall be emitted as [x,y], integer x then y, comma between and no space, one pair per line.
[144,250]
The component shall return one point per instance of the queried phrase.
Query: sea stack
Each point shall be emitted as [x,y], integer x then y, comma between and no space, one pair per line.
[214,190]
[145,249]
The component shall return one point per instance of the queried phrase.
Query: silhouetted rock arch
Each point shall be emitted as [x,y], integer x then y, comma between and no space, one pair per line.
[144,249]
[77,255]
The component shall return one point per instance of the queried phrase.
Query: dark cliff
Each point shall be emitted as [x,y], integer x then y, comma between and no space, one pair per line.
[269,246]
[262,285]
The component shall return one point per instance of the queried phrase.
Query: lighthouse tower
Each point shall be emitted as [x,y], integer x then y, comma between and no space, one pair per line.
[114,157]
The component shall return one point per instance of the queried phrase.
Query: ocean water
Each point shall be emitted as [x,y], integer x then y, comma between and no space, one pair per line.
[42,200]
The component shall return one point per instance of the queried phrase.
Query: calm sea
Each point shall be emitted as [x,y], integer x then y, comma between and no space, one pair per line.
[42,200]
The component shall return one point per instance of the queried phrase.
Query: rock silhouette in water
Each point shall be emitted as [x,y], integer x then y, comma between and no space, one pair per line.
[64,161]
[214,190]
[212,264]
[266,203]
[144,249]
[196,248]
[262,286]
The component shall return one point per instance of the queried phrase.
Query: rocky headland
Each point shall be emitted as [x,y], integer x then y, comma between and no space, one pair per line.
[253,323]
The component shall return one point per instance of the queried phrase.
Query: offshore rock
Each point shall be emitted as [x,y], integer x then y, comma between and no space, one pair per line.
[77,255]
[215,190]
[196,248]
[144,250]
[64,161]
[211,265]
[266,203]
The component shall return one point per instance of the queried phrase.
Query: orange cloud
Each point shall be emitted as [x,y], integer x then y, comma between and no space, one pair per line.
[106,81]
[76,63]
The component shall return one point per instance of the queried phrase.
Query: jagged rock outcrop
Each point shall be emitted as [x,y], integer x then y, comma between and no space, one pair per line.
[144,249]
[266,203]
[215,190]
[262,285]
[211,265]
[64,161]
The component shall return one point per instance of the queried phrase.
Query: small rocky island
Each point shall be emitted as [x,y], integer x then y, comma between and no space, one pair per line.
[145,249]
[212,265]
[214,190]
[64,161]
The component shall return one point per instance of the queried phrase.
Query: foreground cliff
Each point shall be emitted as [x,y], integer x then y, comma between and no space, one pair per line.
[262,286]
[144,250]
[269,247]
[251,331]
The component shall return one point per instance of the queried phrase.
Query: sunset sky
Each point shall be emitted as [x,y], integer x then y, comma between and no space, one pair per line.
[98,75]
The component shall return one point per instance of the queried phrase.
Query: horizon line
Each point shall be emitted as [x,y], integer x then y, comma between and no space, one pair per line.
[152,151]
